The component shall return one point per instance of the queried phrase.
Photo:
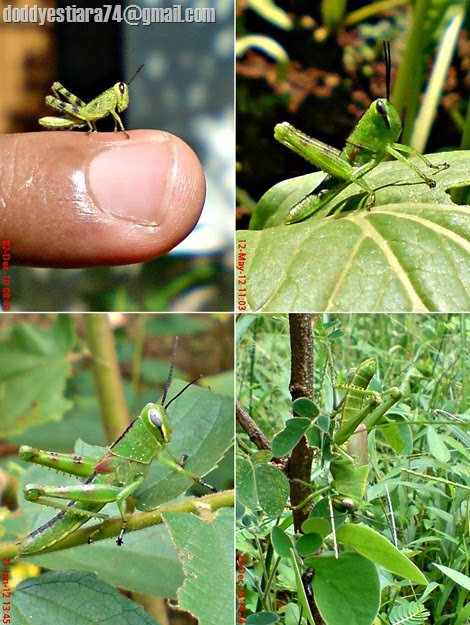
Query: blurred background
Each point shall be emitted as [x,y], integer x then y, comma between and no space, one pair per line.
[186,87]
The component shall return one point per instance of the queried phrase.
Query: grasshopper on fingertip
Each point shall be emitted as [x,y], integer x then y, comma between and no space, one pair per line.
[374,137]
[75,113]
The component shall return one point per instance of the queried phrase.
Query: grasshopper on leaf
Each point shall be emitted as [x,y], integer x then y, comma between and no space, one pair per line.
[75,113]
[374,137]
[112,478]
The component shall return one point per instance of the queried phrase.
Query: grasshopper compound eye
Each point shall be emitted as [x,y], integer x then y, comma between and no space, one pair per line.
[156,418]
[382,110]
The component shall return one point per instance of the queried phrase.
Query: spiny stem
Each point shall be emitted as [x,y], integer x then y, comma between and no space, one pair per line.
[113,526]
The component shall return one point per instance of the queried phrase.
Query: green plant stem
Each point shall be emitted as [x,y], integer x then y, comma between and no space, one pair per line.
[267,591]
[107,375]
[203,506]
[370,10]
[464,364]
[422,127]
[264,600]
[138,351]
[465,143]
[409,79]
[434,478]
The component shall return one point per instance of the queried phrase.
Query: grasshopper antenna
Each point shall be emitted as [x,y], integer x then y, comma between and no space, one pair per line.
[183,389]
[170,376]
[172,365]
[129,84]
[388,67]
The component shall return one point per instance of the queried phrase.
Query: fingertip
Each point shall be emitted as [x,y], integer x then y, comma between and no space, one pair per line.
[108,199]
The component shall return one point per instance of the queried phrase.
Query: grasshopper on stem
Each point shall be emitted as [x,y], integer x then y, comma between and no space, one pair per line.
[374,137]
[75,113]
[112,478]
[362,405]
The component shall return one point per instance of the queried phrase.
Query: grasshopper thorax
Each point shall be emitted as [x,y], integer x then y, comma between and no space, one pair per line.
[157,421]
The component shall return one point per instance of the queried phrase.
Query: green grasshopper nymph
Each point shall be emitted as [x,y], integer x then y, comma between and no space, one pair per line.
[75,113]
[362,405]
[112,478]
[374,137]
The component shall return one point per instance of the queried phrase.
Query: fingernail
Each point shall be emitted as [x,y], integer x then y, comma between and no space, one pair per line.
[134,182]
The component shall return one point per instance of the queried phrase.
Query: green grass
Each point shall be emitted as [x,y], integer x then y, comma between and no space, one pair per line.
[426,357]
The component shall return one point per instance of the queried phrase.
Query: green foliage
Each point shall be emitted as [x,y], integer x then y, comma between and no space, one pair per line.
[268,10]
[346,589]
[282,543]
[262,484]
[205,548]
[411,613]
[150,560]
[33,373]
[305,407]
[150,552]
[376,548]
[285,441]
[426,357]
[71,596]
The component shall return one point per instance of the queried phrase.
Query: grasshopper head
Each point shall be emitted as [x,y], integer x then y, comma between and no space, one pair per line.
[121,91]
[389,119]
[158,422]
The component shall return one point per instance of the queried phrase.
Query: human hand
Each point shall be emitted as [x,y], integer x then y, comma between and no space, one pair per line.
[70,199]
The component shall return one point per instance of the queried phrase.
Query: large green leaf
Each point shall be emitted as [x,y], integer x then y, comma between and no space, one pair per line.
[73,597]
[34,367]
[411,252]
[347,589]
[458,577]
[261,484]
[273,488]
[206,551]
[281,542]
[372,545]
[246,484]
